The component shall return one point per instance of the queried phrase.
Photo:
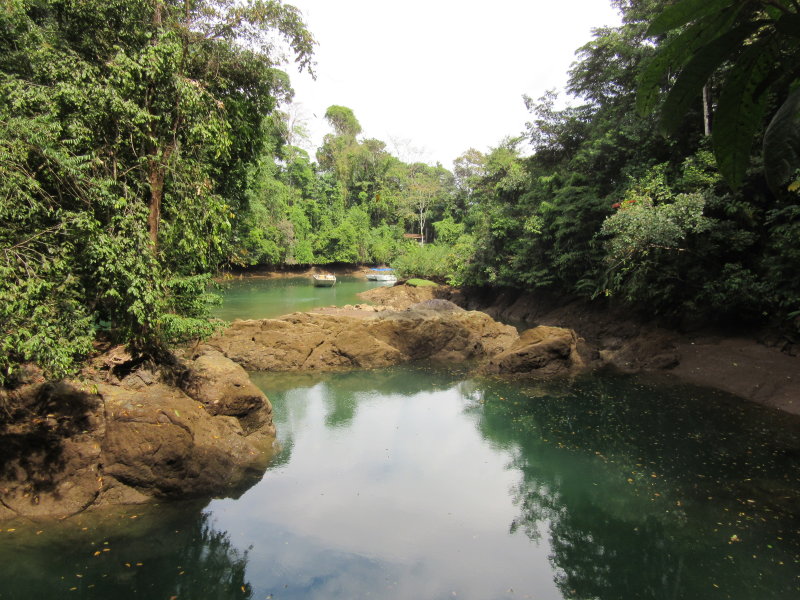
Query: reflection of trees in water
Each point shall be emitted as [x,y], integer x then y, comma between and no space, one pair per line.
[342,392]
[164,552]
[619,475]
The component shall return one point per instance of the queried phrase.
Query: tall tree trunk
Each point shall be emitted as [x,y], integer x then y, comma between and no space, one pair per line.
[706,109]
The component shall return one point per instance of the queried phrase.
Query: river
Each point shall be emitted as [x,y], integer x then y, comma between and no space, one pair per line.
[414,482]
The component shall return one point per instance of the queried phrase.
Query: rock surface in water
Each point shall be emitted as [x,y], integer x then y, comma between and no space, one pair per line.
[129,439]
[434,329]
[325,342]
[542,350]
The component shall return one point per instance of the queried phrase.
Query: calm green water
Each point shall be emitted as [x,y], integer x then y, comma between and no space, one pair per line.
[412,483]
[263,298]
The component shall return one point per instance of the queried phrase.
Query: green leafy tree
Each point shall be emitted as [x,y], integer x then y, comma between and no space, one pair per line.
[126,130]
[750,50]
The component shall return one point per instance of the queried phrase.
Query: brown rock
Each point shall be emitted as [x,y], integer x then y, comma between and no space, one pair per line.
[325,342]
[50,459]
[224,388]
[541,351]
[401,297]
[71,445]
[162,443]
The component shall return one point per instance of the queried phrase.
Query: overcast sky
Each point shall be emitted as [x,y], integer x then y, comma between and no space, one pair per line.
[440,76]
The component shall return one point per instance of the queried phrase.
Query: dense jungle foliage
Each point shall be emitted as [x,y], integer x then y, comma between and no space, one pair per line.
[147,144]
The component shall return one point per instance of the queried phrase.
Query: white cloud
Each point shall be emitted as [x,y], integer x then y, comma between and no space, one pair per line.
[445,75]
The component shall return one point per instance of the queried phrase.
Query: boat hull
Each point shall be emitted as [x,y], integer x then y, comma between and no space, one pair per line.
[324,281]
[381,277]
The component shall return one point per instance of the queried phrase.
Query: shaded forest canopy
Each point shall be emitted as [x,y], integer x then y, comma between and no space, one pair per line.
[147,144]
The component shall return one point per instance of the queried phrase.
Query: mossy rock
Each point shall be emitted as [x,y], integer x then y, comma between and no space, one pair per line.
[421,283]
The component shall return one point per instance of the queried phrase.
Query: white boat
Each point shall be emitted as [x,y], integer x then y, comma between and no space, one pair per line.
[324,280]
[381,275]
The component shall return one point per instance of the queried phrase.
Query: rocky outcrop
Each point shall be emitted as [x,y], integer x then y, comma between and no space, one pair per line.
[545,351]
[325,342]
[130,434]
[402,297]
[132,431]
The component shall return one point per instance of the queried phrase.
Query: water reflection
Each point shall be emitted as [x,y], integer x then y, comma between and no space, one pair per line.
[653,491]
[417,483]
[171,551]
[391,492]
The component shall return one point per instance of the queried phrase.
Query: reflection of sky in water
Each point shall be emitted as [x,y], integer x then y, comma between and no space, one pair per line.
[407,501]
[413,483]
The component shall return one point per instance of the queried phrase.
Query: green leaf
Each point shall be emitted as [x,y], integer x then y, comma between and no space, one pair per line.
[782,143]
[683,12]
[741,110]
[673,54]
[688,87]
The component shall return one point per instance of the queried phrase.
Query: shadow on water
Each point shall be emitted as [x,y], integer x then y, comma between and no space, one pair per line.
[169,551]
[651,491]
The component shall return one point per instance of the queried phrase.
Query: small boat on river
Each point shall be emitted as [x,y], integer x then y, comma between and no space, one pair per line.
[324,280]
[384,274]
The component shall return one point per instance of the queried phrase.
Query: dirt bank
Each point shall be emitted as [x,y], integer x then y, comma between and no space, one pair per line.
[756,368]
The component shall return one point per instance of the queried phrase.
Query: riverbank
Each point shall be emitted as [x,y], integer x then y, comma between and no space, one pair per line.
[755,367]
[338,269]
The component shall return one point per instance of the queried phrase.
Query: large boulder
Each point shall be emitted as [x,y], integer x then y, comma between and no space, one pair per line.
[325,342]
[224,388]
[161,442]
[545,351]
[132,434]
